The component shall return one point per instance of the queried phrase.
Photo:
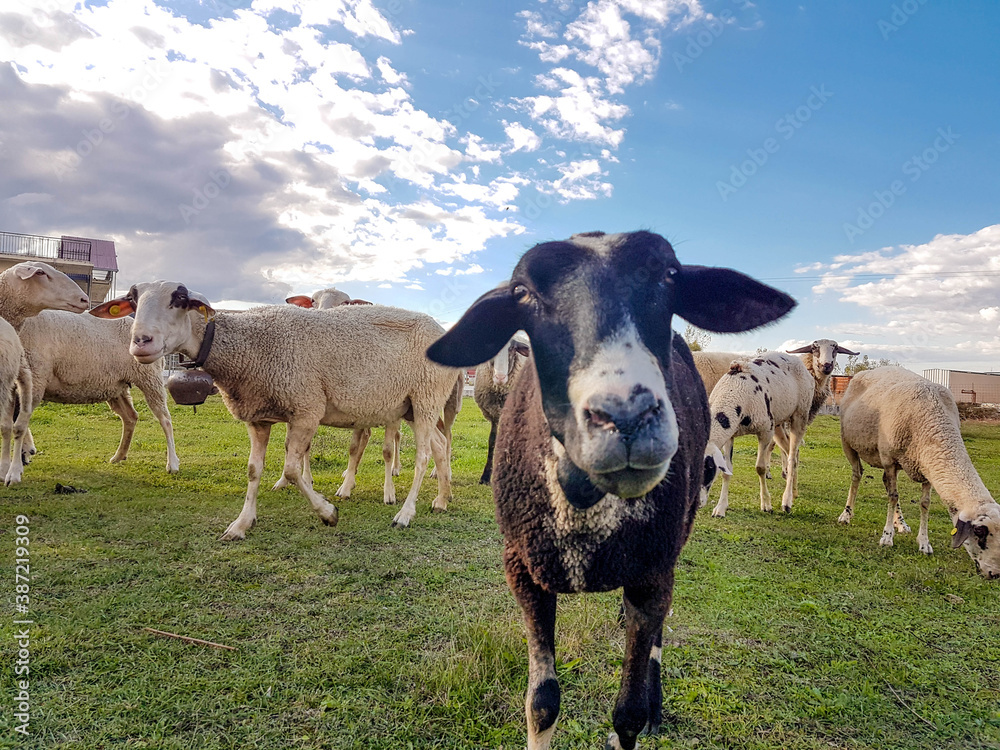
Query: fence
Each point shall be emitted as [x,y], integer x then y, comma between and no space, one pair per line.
[37,246]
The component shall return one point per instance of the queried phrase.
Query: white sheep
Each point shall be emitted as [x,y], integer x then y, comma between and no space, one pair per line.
[493,383]
[25,290]
[14,372]
[893,419]
[362,367]
[820,358]
[333,299]
[80,359]
[753,398]
[329,299]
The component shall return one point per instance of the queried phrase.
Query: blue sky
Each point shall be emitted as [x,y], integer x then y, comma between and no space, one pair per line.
[409,151]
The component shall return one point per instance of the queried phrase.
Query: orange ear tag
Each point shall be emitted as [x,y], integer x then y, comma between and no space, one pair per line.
[204,311]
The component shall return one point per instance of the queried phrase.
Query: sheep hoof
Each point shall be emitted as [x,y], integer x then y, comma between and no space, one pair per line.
[786,508]
[718,513]
[234,533]
[484,479]
[844,518]
[885,541]
[280,484]
[926,549]
[650,730]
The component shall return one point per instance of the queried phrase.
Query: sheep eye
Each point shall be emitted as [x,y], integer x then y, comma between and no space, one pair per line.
[520,291]
[672,273]
[133,294]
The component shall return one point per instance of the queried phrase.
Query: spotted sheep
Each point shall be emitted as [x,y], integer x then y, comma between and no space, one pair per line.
[757,395]
[601,444]
[363,367]
[893,419]
[819,360]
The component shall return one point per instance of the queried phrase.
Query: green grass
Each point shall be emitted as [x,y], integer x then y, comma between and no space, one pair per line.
[789,632]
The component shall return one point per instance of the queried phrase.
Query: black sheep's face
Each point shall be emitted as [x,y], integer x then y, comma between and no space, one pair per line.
[597,309]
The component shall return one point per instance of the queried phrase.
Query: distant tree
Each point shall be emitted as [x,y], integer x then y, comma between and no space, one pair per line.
[857,363]
[762,350]
[696,338]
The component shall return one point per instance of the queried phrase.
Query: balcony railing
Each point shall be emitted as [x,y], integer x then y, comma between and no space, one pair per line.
[36,246]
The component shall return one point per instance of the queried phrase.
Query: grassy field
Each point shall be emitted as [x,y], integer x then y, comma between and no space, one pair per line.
[790,632]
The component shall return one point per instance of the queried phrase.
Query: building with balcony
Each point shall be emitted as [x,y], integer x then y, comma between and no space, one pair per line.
[92,264]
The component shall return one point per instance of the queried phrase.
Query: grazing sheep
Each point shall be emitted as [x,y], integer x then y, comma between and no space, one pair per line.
[325,299]
[893,419]
[80,359]
[25,290]
[359,368]
[493,383]
[753,398]
[601,445]
[711,367]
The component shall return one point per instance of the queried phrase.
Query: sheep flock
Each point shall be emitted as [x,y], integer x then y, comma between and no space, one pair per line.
[604,441]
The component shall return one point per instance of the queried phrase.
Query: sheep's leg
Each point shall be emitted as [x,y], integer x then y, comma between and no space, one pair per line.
[440,445]
[781,440]
[390,448]
[397,464]
[297,444]
[156,399]
[14,466]
[424,431]
[795,435]
[260,433]
[645,608]
[719,511]
[889,480]
[444,427]
[923,540]
[655,686]
[765,446]
[28,448]
[122,406]
[6,428]
[541,703]
[359,441]
[857,473]
[491,443]
[902,527]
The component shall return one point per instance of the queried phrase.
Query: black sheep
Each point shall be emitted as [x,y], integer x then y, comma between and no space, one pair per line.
[601,446]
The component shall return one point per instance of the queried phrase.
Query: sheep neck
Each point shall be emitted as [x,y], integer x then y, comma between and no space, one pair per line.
[12,309]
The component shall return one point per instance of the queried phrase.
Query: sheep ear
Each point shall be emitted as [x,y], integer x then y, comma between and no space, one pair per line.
[521,348]
[301,300]
[801,350]
[481,332]
[842,350]
[116,308]
[961,532]
[26,271]
[725,301]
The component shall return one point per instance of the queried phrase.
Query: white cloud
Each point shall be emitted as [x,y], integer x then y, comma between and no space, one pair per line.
[309,121]
[521,138]
[938,298]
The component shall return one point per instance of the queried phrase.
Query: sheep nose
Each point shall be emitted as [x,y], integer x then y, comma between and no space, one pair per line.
[140,339]
[627,417]
[499,378]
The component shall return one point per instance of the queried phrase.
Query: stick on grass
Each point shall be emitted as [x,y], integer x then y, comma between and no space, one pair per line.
[190,640]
